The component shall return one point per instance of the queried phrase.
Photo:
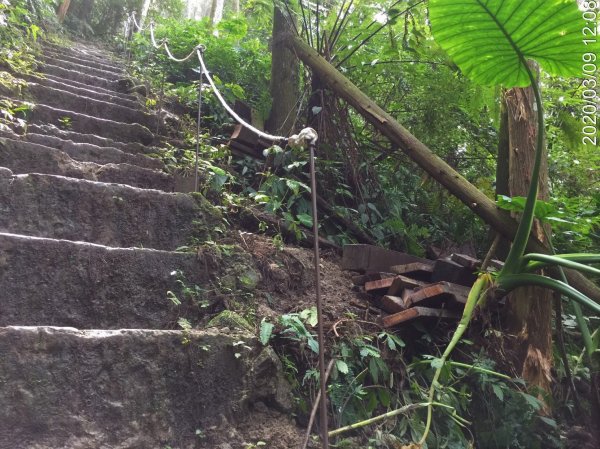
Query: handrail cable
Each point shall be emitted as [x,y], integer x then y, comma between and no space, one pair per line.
[307,138]
[231,112]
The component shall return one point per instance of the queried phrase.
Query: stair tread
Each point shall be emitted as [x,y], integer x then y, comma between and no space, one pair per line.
[128,388]
[110,214]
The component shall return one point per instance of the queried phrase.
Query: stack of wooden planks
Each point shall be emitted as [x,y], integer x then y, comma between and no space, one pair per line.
[408,287]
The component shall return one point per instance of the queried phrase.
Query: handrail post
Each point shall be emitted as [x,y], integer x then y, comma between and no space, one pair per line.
[199,49]
[323,381]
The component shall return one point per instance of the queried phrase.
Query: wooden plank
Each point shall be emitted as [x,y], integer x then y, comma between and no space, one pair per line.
[362,279]
[365,258]
[392,304]
[466,261]
[415,270]
[473,263]
[378,287]
[447,270]
[438,293]
[401,283]
[418,312]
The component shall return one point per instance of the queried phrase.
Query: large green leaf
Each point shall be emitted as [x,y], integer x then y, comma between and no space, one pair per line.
[491,40]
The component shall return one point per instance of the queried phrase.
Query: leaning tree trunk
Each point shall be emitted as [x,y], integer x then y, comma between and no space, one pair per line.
[438,169]
[529,311]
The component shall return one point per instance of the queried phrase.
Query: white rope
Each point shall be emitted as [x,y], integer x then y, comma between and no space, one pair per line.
[139,28]
[154,44]
[303,137]
[231,112]
[164,43]
[183,59]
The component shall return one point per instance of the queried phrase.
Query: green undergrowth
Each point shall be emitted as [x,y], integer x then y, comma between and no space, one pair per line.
[374,372]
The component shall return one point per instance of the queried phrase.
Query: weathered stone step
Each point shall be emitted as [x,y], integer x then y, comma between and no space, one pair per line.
[86,105]
[87,152]
[23,157]
[87,124]
[82,68]
[85,53]
[87,91]
[84,285]
[100,90]
[80,77]
[104,142]
[64,388]
[91,62]
[109,214]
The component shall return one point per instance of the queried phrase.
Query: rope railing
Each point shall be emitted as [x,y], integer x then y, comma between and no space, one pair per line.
[306,138]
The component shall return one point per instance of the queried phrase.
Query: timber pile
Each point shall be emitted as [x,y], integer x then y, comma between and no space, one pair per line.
[407,287]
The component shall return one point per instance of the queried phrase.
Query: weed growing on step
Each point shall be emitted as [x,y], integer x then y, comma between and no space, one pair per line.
[9,115]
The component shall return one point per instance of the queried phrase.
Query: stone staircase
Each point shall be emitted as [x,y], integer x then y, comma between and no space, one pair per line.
[89,225]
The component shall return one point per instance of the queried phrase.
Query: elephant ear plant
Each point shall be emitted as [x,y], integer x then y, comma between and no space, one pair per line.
[492,41]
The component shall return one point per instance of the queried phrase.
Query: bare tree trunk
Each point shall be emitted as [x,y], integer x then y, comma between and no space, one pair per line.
[62,10]
[285,80]
[439,170]
[145,8]
[216,11]
[529,309]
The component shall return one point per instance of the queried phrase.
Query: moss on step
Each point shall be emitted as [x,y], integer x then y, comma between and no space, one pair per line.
[228,318]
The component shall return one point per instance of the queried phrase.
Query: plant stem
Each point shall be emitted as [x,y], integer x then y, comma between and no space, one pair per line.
[398,411]
[477,293]
[583,327]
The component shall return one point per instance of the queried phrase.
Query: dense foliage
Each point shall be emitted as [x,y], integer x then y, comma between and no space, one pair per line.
[387,49]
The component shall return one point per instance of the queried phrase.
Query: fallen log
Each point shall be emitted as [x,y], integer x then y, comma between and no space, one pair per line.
[438,169]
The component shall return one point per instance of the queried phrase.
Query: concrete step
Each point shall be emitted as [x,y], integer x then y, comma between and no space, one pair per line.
[86,53]
[83,68]
[64,388]
[87,152]
[80,77]
[79,138]
[69,86]
[87,124]
[91,62]
[84,285]
[23,157]
[97,89]
[109,214]
[90,106]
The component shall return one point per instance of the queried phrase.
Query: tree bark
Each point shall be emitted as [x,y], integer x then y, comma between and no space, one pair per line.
[529,309]
[285,80]
[144,13]
[216,11]
[439,170]
[62,10]
[502,171]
